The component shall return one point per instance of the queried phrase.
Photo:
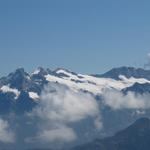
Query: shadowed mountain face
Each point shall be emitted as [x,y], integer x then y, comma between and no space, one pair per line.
[138,88]
[135,137]
[126,71]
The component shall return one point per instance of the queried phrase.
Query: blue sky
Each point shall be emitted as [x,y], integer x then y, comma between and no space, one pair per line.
[87,36]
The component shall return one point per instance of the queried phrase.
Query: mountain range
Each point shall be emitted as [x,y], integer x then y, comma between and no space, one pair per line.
[21,92]
[124,78]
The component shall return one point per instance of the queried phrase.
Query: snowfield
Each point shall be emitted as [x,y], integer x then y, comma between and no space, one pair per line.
[92,84]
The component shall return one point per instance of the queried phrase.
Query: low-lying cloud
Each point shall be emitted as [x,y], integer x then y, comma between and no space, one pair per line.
[60,106]
[119,100]
[6,134]
[59,134]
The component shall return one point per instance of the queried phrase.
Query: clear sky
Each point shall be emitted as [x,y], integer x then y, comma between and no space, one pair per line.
[86,36]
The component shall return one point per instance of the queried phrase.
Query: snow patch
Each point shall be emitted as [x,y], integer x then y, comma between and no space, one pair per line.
[33,95]
[7,89]
[93,84]
[36,72]
[133,80]
[71,76]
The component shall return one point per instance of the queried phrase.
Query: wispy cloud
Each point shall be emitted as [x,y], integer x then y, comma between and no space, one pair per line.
[6,134]
[59,134]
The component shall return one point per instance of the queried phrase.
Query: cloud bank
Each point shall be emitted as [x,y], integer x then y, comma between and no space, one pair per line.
[60,106]
[118,100]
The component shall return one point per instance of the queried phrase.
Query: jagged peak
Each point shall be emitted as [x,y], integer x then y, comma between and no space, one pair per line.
[63,70]
[40,71]
[19,72]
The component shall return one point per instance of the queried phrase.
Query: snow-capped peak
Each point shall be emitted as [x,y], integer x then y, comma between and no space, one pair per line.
[95,85]
[40,71]
[67,74]
[36,72]
[22,81]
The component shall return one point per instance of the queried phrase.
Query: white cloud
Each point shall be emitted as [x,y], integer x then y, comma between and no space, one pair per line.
[6,135]
[60,106]
[98,124]
[118,100]
[64,134]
